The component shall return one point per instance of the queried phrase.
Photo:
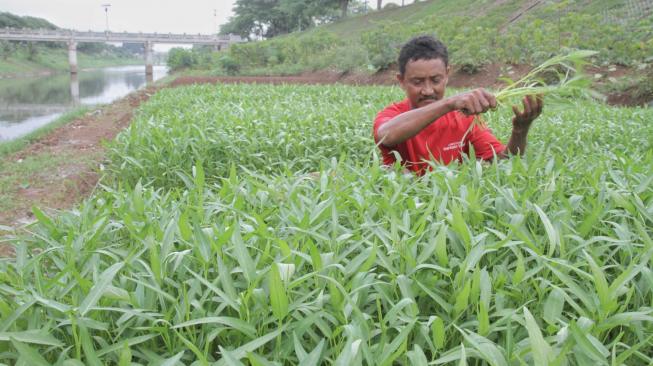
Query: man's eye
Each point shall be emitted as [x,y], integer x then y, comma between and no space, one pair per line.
[417,82]
[435,81]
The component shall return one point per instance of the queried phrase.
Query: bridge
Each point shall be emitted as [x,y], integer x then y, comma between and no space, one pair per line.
[72,37]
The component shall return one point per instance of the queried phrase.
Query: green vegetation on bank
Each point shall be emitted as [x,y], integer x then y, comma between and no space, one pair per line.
[56,59]
[477,33]
[20,58]
[210,243]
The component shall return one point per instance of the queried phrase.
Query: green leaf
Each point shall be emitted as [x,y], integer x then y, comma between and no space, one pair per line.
[589,345]
[278,297]
[104,280]
[483,319]
[438,332]
[462,299]
[488,351]
[313,358]
[31,336]
[441,246]
[551,233]
[28,354]
[174,360]
[417,356]
[90,354]
[553,306]
[125,356]
[540,349]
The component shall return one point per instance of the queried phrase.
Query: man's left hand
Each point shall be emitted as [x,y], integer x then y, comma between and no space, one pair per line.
[532,109]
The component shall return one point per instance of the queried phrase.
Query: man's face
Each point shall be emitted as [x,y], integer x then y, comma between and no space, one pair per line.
[424,81]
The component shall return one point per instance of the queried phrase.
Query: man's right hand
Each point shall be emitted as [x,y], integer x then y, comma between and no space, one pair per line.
[476,101]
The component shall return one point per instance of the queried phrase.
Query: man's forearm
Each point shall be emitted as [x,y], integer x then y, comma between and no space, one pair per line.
[409,124]
[517,143]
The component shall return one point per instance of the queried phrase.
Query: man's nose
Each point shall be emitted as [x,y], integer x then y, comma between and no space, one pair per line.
[428,89]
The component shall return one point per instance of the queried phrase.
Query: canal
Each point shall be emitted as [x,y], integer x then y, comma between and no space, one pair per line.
[29,103]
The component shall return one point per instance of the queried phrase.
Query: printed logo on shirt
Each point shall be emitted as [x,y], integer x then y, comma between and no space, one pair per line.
[453,146]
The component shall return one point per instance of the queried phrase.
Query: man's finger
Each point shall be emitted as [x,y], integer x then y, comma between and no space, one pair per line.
[476,103]
[515,110]
[484,102]
[492,101]
[527,106]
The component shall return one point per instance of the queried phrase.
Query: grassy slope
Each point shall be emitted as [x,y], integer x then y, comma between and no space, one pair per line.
[488,12]
[48,59]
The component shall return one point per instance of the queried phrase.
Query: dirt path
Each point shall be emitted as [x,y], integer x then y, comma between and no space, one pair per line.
[63,166]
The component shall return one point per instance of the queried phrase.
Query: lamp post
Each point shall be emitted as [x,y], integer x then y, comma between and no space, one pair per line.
[106,14]
[215,21]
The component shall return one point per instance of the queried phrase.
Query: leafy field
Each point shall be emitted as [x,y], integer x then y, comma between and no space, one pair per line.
[211,243]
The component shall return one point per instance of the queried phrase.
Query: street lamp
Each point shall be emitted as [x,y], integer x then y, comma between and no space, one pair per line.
[106,13]
[215,20]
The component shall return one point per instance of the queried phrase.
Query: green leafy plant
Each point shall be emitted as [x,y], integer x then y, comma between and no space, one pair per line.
[208,242]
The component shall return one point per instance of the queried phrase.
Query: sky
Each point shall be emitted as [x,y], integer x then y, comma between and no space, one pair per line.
[163,16]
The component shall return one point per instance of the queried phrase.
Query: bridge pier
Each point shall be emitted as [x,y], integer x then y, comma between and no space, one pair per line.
[74,90]
[72,56]
[148,57]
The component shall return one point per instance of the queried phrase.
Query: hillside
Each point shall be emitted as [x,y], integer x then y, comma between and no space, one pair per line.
[497,14]
[497,37]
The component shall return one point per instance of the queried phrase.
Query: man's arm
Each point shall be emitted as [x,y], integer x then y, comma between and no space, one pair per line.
[521,123]
[409,124]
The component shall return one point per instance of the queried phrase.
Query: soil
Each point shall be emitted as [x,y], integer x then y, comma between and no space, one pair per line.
[488,77]
[77,178]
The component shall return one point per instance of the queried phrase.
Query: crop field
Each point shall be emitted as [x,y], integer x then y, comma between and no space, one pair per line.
[255,225]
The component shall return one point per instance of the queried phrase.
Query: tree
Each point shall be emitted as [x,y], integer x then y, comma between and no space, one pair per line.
[7,49]
[32,52]
[379,4]
[269,18]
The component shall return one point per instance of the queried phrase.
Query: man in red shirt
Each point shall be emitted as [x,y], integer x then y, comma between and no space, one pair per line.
[426,126]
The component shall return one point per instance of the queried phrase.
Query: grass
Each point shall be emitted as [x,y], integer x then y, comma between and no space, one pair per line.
[210,244]
[48,59]
[17,144]
[31,172]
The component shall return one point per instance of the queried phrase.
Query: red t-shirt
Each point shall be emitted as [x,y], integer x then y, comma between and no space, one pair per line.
[439,141]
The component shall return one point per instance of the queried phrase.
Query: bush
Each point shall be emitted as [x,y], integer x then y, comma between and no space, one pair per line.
[382,44]
[180,58]
[229,65]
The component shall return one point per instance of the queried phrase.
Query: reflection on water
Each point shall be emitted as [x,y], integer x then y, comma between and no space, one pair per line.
[29,103]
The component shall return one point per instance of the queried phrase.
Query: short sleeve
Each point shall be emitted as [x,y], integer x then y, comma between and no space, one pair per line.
[382,117]
[486,146]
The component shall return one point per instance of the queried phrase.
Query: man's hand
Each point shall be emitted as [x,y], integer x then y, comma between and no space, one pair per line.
[532,109]
[521,123]
[476,101]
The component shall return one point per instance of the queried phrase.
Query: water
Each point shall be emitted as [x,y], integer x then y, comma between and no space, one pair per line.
[29,103]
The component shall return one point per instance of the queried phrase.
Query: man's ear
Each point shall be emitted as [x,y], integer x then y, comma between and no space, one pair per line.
[400,79]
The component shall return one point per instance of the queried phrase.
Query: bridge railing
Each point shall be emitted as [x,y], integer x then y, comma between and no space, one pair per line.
[68,34]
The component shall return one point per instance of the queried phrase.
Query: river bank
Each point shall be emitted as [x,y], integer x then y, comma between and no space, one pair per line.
[51,61]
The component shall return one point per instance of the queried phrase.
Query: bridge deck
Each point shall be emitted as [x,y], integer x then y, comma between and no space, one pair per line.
[47,35]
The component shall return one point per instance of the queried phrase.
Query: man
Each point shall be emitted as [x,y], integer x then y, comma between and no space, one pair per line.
[426,126]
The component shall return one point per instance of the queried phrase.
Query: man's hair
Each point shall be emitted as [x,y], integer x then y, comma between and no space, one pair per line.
[422,48]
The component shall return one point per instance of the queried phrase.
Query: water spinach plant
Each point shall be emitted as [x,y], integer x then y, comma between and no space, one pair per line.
[210,244]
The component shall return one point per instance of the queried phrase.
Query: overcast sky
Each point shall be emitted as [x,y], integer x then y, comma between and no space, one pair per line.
[174,16]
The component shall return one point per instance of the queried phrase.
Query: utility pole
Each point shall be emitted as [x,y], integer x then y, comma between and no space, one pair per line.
[215,21]
[106,14]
